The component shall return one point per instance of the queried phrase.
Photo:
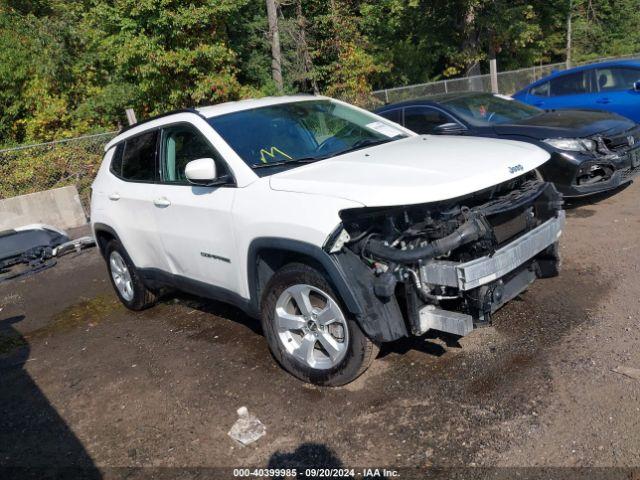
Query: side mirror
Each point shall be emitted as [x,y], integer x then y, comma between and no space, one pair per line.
[636,86]
[451,128]
[201,171]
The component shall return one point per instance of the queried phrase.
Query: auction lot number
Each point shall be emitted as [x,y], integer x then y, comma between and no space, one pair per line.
[314,472]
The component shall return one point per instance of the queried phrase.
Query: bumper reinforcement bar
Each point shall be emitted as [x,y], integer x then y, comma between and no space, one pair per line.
[480,271]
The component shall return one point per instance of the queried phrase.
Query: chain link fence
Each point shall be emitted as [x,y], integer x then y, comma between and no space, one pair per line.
[33,168]
[509,82]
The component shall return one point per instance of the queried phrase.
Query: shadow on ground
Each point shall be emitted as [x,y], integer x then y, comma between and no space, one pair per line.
[423,343]
[217,309]
[35,441]
[307,456]
[571,204]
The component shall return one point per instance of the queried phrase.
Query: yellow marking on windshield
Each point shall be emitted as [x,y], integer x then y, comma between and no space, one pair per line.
[271,153]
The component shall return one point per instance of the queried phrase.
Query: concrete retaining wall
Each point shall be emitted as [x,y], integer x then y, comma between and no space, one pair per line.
[59,207]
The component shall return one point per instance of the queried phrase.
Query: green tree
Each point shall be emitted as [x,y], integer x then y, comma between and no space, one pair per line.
[35,78]
[158,55]
[605,28]
[68,68]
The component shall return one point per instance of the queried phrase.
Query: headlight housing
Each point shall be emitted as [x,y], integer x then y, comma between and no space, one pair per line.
[336,240]
[572,144]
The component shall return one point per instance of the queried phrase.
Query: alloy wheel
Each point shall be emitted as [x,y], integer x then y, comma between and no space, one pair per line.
[121,275]
[311,326]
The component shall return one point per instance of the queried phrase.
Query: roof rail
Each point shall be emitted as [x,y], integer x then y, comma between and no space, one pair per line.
[155,117]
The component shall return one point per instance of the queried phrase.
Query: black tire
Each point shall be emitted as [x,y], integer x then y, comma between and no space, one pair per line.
[549,261]
[360,351]
[142,296]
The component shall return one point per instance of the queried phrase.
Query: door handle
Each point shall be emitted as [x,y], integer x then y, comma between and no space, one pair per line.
[603,100]
[538,104]
[114,197]
[161,202]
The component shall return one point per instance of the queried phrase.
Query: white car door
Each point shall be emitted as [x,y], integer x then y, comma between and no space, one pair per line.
[130,192]
[195,222]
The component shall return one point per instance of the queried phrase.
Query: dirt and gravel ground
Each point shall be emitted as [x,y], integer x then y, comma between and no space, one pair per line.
[85,382]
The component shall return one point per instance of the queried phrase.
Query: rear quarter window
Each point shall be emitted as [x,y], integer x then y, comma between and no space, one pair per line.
[116,160]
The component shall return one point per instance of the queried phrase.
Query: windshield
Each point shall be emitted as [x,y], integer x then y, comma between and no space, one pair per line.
[300,132]
[488,109]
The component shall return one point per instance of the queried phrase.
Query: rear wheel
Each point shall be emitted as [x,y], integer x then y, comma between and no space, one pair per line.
[308,331]
[125,278]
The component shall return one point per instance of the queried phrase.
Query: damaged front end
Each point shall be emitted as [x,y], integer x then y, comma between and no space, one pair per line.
[613,161]
[33,248]
[450,265]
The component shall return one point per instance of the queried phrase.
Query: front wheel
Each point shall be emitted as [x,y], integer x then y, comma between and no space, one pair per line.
[308,331]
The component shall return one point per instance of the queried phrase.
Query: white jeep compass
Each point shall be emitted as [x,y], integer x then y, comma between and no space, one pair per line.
[335,227]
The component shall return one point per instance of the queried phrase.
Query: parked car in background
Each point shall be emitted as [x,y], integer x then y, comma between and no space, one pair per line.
[591,151]
[612,86]
[337,228]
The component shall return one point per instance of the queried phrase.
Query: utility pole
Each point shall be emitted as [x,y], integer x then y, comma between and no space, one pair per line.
[274,39]
[131,116]
[493,64]
[493,69]
[569,33]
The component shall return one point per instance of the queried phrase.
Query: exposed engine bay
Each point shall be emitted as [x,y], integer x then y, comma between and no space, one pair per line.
[425,254]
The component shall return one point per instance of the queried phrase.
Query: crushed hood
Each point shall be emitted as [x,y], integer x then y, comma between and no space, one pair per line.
[417,169]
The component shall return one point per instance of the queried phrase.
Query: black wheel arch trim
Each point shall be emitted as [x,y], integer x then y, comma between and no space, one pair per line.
[102,227]
[381,320]
[295,246]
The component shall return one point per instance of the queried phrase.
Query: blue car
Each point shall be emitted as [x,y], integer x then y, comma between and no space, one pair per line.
[612,86]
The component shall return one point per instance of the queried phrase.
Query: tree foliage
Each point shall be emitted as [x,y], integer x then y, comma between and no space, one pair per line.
[73,67]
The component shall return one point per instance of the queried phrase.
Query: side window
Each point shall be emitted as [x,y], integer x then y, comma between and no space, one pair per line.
[182,144]
[116,160]
[610,79]
[139,158]
[541,90]
[394,115]
[423,119]
[572,84]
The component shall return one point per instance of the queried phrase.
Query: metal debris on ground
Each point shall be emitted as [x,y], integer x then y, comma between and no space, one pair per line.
[247,428]
[33,248]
